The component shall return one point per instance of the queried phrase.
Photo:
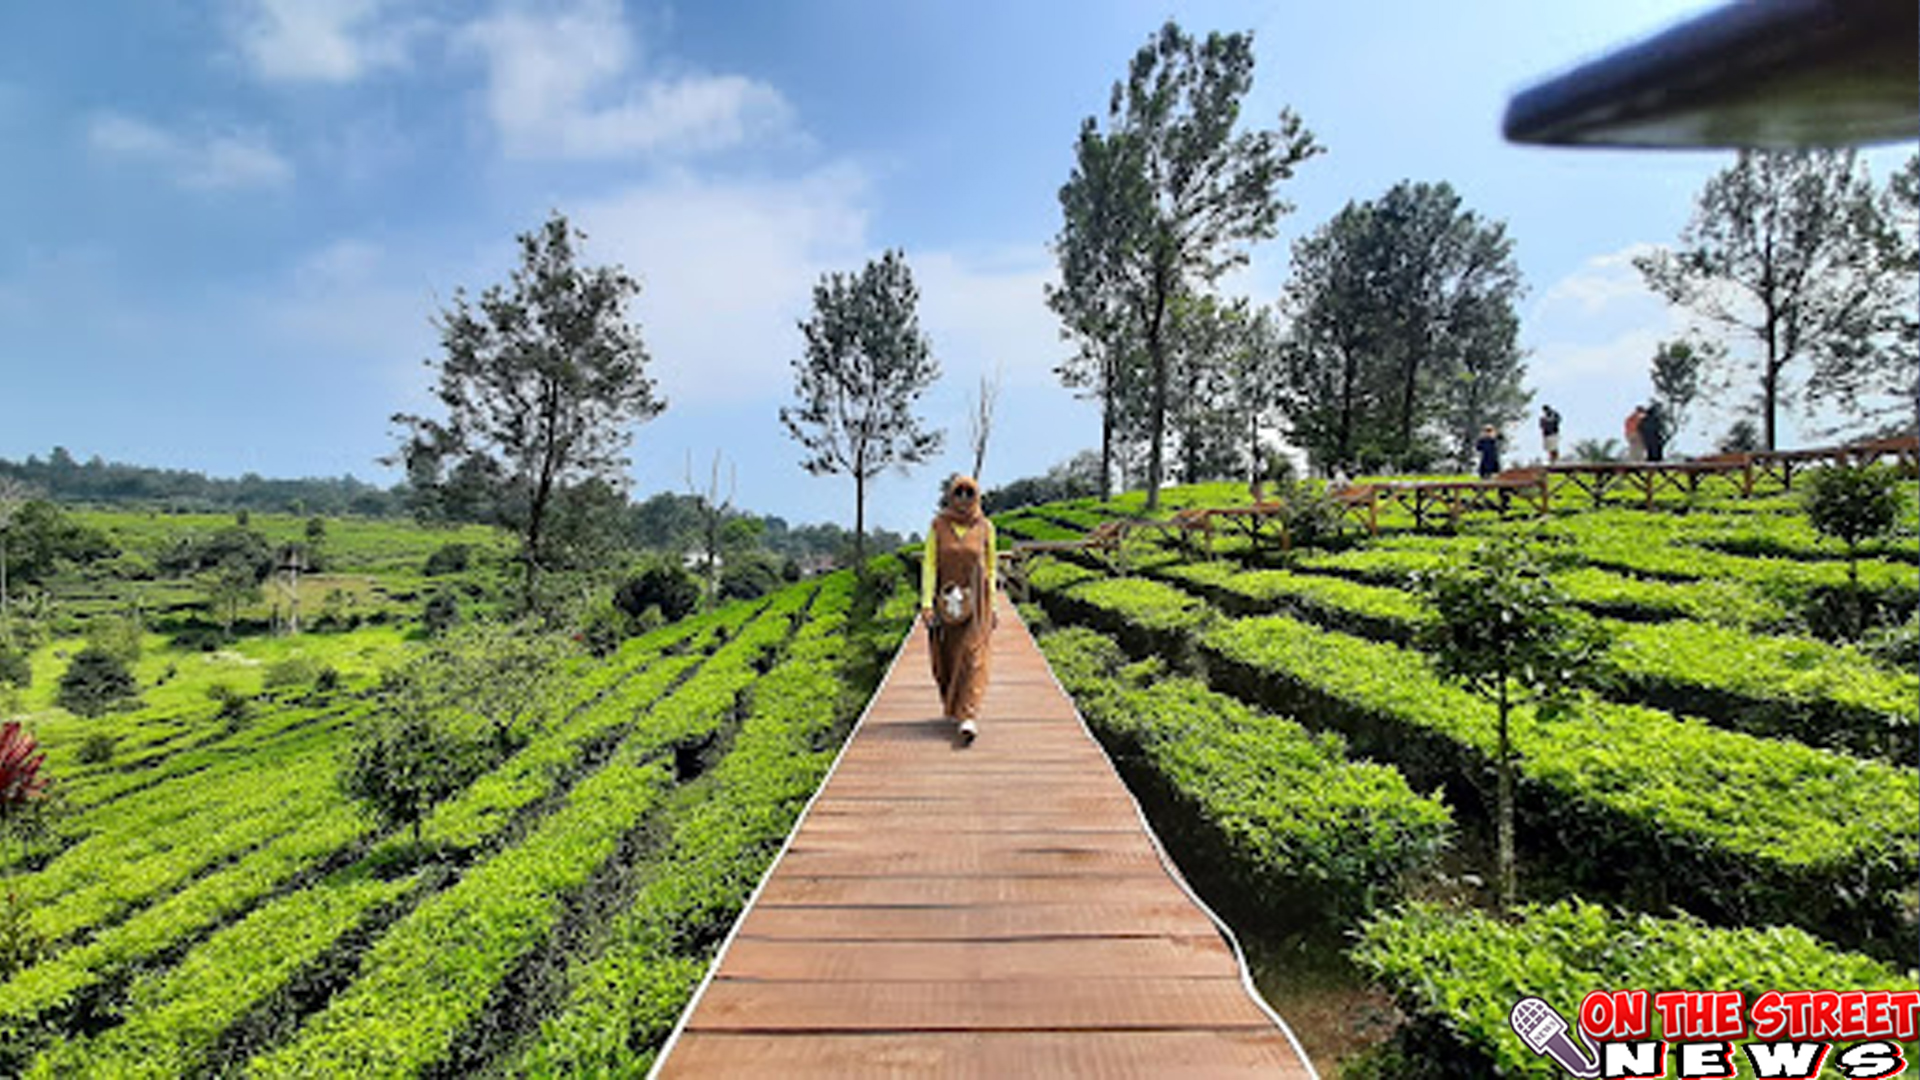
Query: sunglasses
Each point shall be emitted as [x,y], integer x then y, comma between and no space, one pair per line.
[964,493]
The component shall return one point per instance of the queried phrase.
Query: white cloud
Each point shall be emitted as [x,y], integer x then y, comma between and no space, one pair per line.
[319,40]
[1603,281]
[727,269]
[566,86]
[988,312]
[211,162]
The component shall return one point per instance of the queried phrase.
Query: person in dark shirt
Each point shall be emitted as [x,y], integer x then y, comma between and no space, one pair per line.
[1489,447]
[1550,433]
[1653,432]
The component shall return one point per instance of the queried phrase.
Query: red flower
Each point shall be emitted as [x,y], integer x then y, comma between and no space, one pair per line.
[20,759]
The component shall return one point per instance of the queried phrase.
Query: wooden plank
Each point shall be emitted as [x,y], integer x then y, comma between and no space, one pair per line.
[1141,1004]
[1174,956]
[1148,1055]
[978,922]
[797,890]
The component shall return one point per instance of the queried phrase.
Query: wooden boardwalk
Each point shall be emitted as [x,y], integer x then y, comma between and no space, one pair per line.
[996,910]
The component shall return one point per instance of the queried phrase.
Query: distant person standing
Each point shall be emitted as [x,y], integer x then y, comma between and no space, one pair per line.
[1636,442]
[1488,444]
[1653,432]
[1550,433]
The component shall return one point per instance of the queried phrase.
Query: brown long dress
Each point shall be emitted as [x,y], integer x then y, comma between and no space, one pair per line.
[960,651]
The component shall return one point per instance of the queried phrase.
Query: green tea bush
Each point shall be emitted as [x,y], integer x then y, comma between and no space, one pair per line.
[1296,830]
[449,559]
[1456,975]
[95,749]
[292,671]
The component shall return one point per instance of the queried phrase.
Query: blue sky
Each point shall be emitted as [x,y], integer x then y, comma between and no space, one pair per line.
[229,223]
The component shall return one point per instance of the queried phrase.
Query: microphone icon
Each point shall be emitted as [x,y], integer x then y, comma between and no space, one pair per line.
[1545,1033]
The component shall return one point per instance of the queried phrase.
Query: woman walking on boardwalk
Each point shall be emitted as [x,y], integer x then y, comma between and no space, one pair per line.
[956,602]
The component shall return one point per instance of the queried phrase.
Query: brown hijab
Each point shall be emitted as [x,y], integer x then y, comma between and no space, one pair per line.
[962,512]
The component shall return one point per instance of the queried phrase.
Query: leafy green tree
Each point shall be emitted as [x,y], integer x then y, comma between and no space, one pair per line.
[542,381]
[13,495]
[230,585]
[401,762]
[1791,254]
[1330,389]
[749,576]
[497,678]
[670,590]
[441,613]
[1742,437]
[1505,632]
[1403,331]
[1095,308]
[40,539]
[1223,354]
[314,552]
[95,681]
[1176,194]
[119,635]
[866,364]
[446,716]
[1676,372]
[1853,504]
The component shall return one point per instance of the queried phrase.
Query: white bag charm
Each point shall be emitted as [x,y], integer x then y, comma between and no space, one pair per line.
[954,605]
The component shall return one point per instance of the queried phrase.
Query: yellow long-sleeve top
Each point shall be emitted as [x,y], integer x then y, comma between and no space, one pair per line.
[929,562]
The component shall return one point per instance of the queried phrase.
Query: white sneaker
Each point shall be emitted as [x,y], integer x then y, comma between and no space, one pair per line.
[968,732]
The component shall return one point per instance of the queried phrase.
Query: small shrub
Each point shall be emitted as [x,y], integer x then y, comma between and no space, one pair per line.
[96,749]
[327,680]
[669,588]
[16,668]
[1896,646]
[293,671]
[604,627]
[441,614]
[1853,505]
[234,709]
[116,634]
[20,943]
[450,559]
[95,682]
[401,763]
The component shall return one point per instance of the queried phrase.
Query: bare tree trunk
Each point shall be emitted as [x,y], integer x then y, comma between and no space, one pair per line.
[1509,889]
[1157,420]
[1106,448]
[859,522]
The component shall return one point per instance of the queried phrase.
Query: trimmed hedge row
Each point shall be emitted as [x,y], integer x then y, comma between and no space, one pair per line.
[175,1019]
[61,982]
[1792,687]
[152,845]
[621,1003]
[1299,832]
[1796,688]
[1621,797]
[429,977]
[1456,975]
